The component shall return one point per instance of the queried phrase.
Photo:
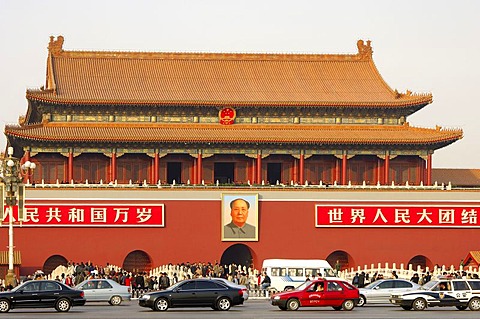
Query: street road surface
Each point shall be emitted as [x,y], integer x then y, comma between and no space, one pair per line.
[257,309]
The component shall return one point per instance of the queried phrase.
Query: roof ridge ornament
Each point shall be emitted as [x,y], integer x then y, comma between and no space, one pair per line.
[364,50]
[55,46]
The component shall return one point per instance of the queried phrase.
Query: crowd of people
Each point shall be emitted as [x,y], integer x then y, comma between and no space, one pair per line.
[361,279]
[161,278]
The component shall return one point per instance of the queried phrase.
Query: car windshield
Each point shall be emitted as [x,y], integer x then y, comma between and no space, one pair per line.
[304,285]
[371,285]
[175,285]
[429,285]
[19,287]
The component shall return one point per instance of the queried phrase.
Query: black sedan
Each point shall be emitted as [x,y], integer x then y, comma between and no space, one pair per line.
[41,294]
[194,293]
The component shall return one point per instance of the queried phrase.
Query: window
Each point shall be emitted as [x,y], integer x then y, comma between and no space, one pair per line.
[33,286]
[386,284]
[50,286]
[188,286]
[90,285]
[442,286]
[208,285]
[275,271]
[333,286]
[403,284]
[460,285]
[295,272]
[309,272]
[474,284]
[104,285]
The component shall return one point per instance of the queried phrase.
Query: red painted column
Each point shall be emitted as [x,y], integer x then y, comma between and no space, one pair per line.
[301,168]
[337,171]
[156,163]
[295,171]
[429,170]
[26,157]
[70,167]
[259,168]
[387,169]
[199,168]
[254,175]
[113,167]
[194,175]
[379,171]
[344,169]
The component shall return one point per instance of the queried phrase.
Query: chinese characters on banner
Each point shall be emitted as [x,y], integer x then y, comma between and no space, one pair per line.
[434,215]
[94,215]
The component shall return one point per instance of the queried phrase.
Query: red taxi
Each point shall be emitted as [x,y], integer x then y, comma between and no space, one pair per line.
[334,293]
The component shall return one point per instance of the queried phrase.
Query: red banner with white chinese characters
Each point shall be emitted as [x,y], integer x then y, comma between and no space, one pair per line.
[384,215]
[90,214]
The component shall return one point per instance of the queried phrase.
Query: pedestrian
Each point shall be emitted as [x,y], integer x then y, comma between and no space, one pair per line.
[355,280]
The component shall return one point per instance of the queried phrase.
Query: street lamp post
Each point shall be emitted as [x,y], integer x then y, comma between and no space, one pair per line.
[11,177]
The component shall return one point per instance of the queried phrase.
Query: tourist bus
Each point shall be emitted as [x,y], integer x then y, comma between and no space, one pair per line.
[287,274]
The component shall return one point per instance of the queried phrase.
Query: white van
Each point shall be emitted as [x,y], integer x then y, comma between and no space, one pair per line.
[287,274]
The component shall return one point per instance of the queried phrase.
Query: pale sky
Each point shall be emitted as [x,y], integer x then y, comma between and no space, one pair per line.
[423,46]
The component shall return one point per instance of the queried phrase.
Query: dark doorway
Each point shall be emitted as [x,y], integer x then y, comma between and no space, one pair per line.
[224,173]
[274,173]
[174,172]
[421,262]
[238,254]
[137,261]
[53,262]
[342,257]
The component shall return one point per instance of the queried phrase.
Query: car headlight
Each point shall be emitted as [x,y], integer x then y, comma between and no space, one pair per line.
[276,297]
[145,297]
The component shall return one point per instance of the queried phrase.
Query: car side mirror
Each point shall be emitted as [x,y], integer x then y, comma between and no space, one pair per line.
[376,288]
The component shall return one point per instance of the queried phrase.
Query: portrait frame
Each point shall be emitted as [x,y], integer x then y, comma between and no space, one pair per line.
[234,234]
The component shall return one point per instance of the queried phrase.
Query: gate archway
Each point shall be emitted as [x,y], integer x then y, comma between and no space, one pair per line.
[238,254]
[137,261]
[345,260]
[53,262]
[420,261]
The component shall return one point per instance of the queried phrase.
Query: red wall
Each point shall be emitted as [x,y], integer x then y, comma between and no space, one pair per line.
[287,229]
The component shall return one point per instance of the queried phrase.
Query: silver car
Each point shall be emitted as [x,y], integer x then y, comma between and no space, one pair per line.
[104,290]
[380,291]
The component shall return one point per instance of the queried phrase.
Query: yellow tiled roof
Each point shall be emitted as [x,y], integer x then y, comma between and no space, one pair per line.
[137,78]
[237,133]
[457,176]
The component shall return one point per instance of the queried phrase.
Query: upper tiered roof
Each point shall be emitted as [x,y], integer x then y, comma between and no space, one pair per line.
[235,134]
[149,78]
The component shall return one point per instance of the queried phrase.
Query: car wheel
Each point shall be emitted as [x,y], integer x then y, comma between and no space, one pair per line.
[406,307]
[4,305]
[461,307]
[362,301]
[293,304]
[161,304]
[348,305]
[337,308]
[419,304]
[63,305]
[474,304]
[224,304]
[115,300]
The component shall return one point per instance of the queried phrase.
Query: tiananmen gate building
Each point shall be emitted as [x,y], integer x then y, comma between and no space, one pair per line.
[139,154]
